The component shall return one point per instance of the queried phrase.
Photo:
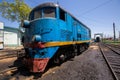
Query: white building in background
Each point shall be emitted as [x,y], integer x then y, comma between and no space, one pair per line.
[9,37]
[12,37]
[1,35]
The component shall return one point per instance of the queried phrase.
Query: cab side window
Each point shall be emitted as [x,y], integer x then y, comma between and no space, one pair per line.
[37,14]
[49,12]
[62,15]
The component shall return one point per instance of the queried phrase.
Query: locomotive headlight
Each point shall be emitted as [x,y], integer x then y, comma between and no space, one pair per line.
[36,38]
[25,23]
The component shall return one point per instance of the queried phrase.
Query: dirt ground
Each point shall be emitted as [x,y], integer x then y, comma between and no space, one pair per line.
[5,63]
[89,65]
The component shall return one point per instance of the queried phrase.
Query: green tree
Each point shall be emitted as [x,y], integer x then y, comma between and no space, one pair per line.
[15,11]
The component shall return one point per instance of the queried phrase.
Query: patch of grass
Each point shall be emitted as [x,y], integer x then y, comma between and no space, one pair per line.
[117,42]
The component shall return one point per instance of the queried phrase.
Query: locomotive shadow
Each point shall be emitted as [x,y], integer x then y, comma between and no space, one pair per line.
[23,71]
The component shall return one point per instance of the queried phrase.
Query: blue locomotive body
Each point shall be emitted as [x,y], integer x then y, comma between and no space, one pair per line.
[52,33]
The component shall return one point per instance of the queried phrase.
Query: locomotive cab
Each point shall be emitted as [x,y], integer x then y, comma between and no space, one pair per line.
[43,12]
[46,12]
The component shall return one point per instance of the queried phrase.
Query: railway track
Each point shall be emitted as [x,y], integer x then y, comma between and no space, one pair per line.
[10,73]
[8,70]
[113,46]
[11,53]
[8,56]
[112,58]
[11,68]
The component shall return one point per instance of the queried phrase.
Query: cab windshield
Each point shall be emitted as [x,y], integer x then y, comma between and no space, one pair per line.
[44,12]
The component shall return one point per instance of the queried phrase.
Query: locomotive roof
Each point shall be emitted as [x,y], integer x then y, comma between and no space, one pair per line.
[45,5]
[56,5]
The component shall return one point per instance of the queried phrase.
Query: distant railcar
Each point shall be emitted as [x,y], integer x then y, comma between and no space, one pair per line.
[97,39]
[52,34]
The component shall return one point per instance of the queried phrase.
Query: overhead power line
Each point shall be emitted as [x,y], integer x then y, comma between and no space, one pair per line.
[103,4]
[93,20]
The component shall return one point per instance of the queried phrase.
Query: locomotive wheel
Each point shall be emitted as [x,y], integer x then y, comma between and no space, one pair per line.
[75,50]
[82,48]
[79,49]
[62,57]
[57,60]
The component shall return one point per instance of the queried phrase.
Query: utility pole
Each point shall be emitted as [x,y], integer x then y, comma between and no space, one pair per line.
[114,31]
[119,34]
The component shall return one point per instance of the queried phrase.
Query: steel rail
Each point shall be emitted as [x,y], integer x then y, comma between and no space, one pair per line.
[112,49]
[19,53]
[9,69]
[108,64]
[7,56]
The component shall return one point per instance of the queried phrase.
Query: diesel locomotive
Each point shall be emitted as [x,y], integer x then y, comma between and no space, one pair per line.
[52,34]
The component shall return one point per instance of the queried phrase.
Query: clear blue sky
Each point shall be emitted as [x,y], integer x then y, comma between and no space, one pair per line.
[98,15]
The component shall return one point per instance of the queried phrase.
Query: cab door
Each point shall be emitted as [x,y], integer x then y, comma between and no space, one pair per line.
[74,31]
